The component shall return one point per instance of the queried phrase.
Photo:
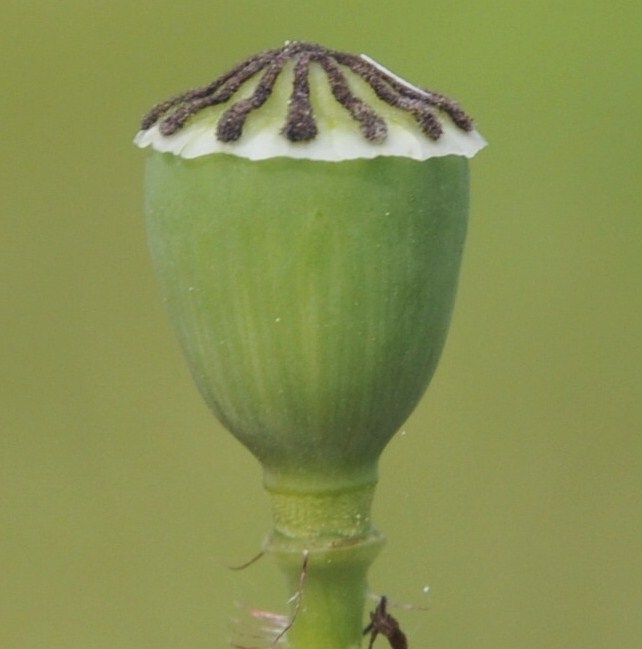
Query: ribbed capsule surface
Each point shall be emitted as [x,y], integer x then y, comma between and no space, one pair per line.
[311,298]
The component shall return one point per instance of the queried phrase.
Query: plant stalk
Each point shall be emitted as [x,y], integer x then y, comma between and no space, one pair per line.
[324,544]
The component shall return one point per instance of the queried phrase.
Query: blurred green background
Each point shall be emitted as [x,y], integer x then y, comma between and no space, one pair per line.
[515,490]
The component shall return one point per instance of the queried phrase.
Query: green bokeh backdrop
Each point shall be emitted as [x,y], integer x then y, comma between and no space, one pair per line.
[514,491]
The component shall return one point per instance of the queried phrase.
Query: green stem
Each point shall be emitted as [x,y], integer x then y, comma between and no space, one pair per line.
[324,544]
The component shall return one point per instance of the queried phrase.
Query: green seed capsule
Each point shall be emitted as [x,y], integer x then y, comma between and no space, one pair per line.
[308,241]
[311,298]
[306,214]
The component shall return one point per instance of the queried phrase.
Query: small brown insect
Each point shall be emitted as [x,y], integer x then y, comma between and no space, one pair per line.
[381,622]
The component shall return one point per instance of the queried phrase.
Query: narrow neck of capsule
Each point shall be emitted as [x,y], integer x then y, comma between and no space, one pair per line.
[308,508]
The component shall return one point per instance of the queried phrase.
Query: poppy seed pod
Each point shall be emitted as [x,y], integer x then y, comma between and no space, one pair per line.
[306,214]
